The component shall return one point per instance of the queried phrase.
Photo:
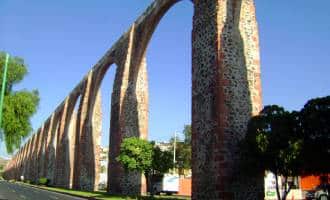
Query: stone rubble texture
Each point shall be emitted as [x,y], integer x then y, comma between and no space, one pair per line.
[226,92]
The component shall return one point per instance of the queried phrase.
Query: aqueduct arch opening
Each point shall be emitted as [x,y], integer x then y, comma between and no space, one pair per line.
[226,92]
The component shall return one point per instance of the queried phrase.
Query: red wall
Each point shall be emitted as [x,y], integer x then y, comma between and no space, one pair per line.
[185,187]
[310,182]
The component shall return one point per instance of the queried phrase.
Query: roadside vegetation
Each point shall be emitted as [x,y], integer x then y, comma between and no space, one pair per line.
[145,157]
[18,106]
[289,143]
[103,195]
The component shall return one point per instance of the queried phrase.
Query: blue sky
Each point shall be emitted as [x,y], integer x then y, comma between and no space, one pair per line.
[61,40]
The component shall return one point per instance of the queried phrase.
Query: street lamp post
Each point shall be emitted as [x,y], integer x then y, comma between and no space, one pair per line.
[3,87]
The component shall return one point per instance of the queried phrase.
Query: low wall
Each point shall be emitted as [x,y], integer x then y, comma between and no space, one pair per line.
[185,187]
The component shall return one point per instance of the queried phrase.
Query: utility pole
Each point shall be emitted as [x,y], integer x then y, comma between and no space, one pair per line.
[174,147]
[4,79]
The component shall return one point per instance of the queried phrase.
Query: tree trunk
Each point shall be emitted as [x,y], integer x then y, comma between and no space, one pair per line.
[277,189]
[149,178]
[286,189]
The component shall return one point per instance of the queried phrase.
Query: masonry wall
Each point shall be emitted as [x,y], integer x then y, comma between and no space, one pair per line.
[226,92]
[129,116]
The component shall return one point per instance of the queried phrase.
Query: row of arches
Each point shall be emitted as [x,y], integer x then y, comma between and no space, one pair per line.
[66,148]
[226,91]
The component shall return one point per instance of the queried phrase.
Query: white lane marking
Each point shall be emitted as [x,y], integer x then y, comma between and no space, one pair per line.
[53,197]
[22,196]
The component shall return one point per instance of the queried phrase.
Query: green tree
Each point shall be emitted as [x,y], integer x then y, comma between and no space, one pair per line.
[272,143]
[142,156]
[162,162]
[183,150]
[315,125]
[135,154]
[19,106]
[187,134]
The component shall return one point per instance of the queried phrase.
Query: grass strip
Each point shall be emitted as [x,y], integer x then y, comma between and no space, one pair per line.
[102,195]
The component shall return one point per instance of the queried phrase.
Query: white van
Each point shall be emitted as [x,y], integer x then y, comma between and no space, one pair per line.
[168,185]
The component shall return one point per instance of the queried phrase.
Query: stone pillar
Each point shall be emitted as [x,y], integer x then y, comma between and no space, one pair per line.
[42,153]
[50,152]
[39,153]
[32,157]
[97,129]
[129,116]
[17,165]
[24,161]
[88,138]
[47,131]
[36,156]
[20,163]
[72,140]
[27,161]
[226,92]
[61,149]
[65,145]
[15,169]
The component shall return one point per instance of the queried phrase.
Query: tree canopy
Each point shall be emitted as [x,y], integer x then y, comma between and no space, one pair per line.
[135,154]
[183,149]
[315,128]
[162,161]
[289,143]
[271,139]
[140,155]
[19,106]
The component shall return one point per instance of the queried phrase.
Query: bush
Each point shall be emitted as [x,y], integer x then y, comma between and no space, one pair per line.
[43,181]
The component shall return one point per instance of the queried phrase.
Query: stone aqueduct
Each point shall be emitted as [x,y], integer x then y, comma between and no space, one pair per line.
[226,92]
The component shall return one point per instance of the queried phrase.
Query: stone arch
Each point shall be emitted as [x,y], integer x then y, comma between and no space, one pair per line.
[130,98]
[66,141]
[88,131]
[226,91]
[51,149]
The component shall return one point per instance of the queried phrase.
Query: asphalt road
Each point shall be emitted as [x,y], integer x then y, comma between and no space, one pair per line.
[16,191]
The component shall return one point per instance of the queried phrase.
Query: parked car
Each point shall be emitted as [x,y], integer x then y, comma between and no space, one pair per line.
[321,192]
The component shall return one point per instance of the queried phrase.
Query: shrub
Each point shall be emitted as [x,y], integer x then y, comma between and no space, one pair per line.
[43,181]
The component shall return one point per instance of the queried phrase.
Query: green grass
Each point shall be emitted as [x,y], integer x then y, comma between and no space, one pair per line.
[102,195]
